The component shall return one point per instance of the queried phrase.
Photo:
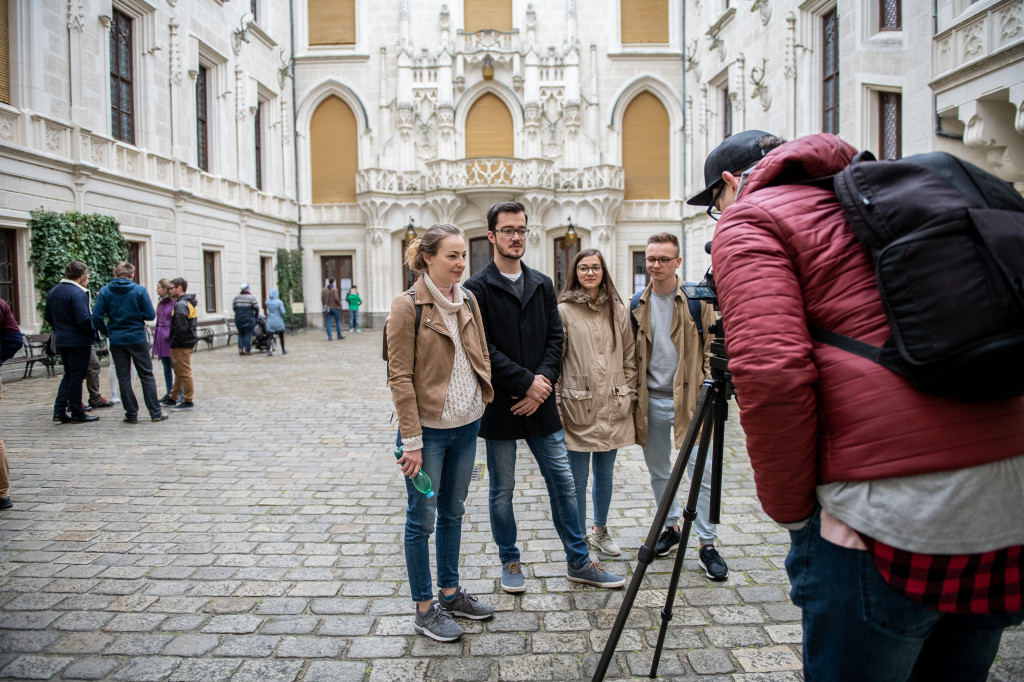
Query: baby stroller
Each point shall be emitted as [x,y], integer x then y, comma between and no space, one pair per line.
[261,340]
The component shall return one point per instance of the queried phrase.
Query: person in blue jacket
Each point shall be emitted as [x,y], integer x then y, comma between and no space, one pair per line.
[275,320]
[67,311]
[121,311]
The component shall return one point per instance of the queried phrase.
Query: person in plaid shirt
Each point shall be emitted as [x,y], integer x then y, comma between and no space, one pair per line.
[904,508]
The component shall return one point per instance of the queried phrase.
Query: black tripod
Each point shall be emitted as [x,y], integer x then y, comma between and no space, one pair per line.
[709,418]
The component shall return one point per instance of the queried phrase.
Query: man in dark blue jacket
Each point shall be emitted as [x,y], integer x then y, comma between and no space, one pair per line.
[524,340]
[121,311]
[67,311]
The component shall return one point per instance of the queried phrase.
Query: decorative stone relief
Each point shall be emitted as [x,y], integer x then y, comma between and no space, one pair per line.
[76,15]
[765,8]
[1009,22]
[974,40]
[177,68]
[531,116]
[377,235]
[406,118]
[240,90]
[761,89]
[6,128]
[54,139]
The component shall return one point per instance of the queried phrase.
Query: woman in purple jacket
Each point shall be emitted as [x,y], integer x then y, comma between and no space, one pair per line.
[162,335]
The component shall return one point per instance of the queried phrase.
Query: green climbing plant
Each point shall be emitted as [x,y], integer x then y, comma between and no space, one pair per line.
[289,284]
[58,238]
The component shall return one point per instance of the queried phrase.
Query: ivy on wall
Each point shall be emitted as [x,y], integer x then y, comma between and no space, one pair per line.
[58,238]
[289,284]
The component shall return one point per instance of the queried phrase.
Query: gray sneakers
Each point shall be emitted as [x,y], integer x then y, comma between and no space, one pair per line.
[465,605]
[512,577]
[437,623]
[603,542]
[594,574]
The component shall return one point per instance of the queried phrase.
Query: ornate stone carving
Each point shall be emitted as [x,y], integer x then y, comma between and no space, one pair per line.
[406,118]
[76,15]
[572,118]
[176,66]
[54,138]
[974,40]
[7,128]
[377,236]
[1009,22]
[531,116]
[765,8]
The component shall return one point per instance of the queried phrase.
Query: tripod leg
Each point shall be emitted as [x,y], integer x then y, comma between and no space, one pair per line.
[689,514]
[720,411]
[646,553]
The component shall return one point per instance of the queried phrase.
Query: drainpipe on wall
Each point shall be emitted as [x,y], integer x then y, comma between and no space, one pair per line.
[295,131]
[686,166]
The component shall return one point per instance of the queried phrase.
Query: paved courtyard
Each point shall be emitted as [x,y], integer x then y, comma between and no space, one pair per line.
[259,538]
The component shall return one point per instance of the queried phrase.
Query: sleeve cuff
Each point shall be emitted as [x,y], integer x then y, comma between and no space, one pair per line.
[796,525]
[413,442]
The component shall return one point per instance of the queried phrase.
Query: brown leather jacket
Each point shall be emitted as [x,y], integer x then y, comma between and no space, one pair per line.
[419,377]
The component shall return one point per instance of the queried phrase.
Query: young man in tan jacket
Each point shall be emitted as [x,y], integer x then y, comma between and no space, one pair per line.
[672,363]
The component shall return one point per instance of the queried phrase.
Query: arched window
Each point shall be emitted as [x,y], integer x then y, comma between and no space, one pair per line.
[644,21]
[645,149]
[333,152]
[478,15]
[332,22]
[489,129]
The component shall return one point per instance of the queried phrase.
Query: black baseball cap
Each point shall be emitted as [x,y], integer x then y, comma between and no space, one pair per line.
[735,153]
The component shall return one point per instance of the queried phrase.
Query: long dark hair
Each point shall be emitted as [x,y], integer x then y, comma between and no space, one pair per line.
[572,282]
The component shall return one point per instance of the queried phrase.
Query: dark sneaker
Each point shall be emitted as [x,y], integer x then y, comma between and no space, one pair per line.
[512,577]
[160,417]
[83,419]
[5,503]
[465,605]
[102,402]
[713,563]
[168,400]
[183,406]
[594,574]
[131,420]
[667,541]
[437,623]
[62,418]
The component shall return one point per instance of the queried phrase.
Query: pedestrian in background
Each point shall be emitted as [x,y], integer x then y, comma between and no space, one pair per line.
[92,383]
[162,337]
[183,339]
[275,320]
[596,391]
[67,311]
[121,311]
[331,298]
[439,374]
[11,342]
[246,307]
[354,301]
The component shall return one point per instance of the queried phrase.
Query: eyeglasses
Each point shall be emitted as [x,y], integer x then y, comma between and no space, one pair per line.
[651,260]
[507,232]
[584,269]
[713,211]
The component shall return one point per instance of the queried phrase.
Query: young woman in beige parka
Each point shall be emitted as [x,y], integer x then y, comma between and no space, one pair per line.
[597,387]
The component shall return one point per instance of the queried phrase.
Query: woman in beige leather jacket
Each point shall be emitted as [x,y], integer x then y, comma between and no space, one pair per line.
[439,373]
[597,387]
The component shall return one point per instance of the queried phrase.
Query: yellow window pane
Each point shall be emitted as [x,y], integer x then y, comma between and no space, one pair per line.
[645,149]
[644,21]
[483,14]
[332,22]
[334,152]
[489,129]
[5,57]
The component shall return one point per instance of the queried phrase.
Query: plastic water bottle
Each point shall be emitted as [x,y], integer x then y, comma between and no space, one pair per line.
[420,481]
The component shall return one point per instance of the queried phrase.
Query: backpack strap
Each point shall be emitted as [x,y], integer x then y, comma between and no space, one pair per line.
[634,301]
[847,343]
[694,307]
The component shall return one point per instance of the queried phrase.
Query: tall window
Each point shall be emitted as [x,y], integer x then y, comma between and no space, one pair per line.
[489,129]
[135,258]
[122,96]
[334,152]
[889,18]
[481,250]
[202,119]
[640,274]
[645,149]
[210,280]
[479,15]
[644,21]
[890,126]
[564,253]
[9,270]
[258,145]
[726,114]
[332,22]
[830,73]
[5,57]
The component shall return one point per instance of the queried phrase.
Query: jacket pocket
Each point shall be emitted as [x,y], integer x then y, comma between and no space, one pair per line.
[577,406]
[622,400]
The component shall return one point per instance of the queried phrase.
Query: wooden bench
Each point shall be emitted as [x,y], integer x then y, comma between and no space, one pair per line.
[32,352]
[232,331]
[206,330]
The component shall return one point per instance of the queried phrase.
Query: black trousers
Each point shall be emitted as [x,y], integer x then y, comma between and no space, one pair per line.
[124,357]
[69,394]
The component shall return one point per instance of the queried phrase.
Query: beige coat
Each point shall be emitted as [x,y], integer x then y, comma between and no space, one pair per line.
[597,388]
[419,376]
[694,362]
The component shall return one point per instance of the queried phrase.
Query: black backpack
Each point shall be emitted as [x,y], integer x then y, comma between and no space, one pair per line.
[947,241]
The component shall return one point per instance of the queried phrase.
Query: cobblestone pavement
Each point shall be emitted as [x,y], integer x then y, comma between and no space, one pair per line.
[259,538]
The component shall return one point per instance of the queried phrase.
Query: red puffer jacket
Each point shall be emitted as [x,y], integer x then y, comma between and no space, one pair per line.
[784,258]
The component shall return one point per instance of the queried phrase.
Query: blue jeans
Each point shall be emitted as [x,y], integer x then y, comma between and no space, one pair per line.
[334,315]
[856,627]
[448,456]
[245,328]
[550,453]
[604,464]
[124,356]
[168,373]
[353,319]
[661,413]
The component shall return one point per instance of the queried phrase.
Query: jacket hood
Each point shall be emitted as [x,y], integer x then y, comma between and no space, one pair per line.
[807,157]
[121,285]
[274,294]
[191,298]
[580,295]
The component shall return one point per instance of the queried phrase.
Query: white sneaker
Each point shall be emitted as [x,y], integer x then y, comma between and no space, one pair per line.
[601,541]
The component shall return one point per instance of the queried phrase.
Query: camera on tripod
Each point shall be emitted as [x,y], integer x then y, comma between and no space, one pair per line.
[703,291]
